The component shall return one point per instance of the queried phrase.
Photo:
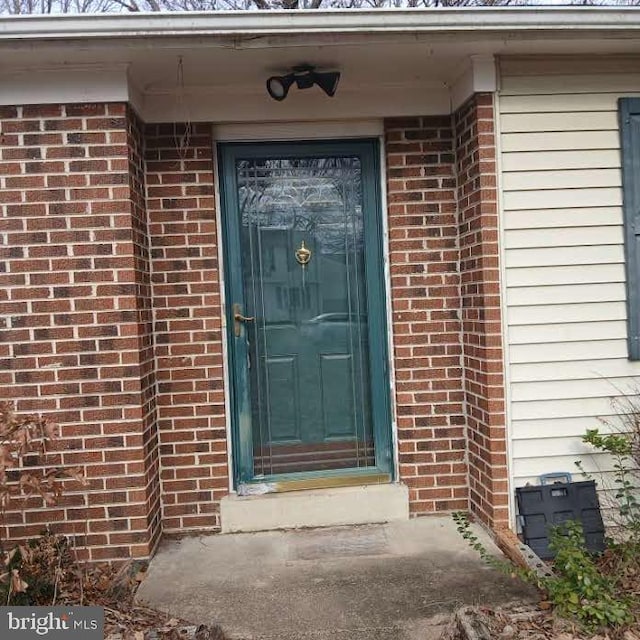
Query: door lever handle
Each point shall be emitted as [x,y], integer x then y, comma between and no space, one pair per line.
[238,318]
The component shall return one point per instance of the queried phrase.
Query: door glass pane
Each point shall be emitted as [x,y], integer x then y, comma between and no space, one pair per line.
[308,346]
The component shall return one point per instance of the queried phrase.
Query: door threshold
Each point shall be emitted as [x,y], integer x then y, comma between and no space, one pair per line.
[326,507]
[277,484]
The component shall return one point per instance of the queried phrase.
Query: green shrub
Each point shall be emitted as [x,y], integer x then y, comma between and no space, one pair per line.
[594,592]
[626,477]
[578,589]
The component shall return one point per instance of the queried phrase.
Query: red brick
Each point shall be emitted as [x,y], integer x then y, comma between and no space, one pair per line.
[416,329]
[476,154]
[53,294]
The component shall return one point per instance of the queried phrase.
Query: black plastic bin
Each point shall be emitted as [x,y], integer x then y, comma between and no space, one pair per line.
[544,506]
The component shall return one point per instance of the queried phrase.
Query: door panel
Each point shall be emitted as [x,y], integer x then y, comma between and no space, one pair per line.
[284,408]
[304,348]
[337,397]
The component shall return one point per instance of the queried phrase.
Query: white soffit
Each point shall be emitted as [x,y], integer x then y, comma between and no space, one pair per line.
[237,106]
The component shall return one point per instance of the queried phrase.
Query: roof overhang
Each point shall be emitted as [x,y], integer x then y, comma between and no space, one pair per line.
[393,62]
[618,21]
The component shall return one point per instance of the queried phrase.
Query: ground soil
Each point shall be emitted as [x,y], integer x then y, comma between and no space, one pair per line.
[124,620]
[48,573]
[527,622]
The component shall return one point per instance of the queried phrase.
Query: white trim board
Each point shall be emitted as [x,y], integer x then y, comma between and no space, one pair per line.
[299,132]
[275,131]
[480,76]
[66,85]
[498,21]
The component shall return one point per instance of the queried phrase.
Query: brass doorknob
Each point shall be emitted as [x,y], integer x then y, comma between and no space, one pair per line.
[238,318]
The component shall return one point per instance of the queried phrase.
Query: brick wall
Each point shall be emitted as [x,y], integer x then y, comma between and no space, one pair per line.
[480,308]
[443,228]
[422,208]
[75,341]
[188,330]
[111,307]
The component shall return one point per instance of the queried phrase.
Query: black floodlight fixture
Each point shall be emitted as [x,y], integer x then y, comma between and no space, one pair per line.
[278,86]
[328,82]
[305,76]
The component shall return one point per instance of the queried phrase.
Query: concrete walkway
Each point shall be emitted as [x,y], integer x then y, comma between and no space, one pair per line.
[375,582]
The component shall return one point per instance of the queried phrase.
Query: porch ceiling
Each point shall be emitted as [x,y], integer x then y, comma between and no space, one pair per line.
[412,57]
[236,49]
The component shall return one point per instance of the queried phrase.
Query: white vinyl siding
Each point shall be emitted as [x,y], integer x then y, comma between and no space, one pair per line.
[563,254]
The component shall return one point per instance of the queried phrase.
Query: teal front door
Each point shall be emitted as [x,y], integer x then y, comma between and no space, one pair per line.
[306,320]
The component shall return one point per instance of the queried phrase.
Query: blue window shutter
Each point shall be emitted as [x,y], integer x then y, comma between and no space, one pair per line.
[629,113]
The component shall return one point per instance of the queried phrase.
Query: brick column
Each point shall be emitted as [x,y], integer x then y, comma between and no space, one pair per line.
[186,292]
[481,312]
[76,343]
[423,240]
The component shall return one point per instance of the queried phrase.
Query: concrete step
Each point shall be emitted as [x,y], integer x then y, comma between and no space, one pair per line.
[368,504]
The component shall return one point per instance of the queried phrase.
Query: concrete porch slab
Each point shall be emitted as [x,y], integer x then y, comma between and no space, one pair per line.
[366,504]
[374,582]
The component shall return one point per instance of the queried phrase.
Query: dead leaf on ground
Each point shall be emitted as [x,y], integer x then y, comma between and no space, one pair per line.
[18,585]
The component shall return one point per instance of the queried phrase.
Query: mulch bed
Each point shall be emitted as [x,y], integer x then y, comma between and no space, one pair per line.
[125,620]
[47,572]
[524,622]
